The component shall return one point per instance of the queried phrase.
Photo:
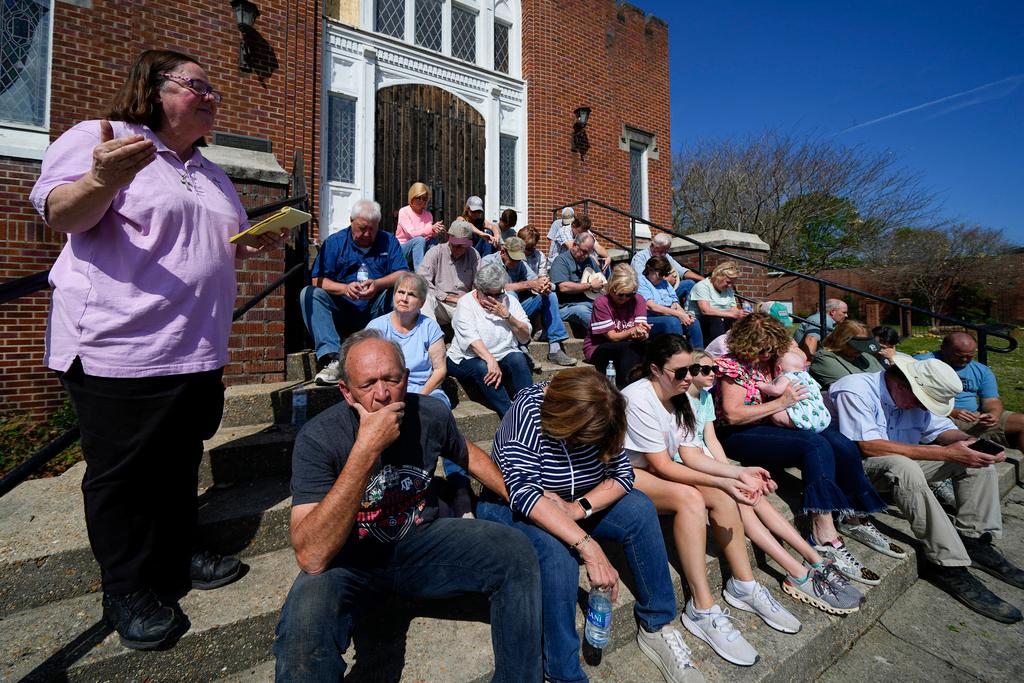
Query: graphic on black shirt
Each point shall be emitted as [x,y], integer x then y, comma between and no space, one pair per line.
[393,503]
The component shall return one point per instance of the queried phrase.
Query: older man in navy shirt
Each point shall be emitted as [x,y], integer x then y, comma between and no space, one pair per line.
[340,300]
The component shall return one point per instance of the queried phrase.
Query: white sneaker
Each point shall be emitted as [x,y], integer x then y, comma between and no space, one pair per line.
[331,374]
[844,561]
[761,603]
[715,628]
[868,534]
[670,654]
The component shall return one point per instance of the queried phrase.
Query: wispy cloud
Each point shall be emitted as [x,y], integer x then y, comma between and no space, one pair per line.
[983,93]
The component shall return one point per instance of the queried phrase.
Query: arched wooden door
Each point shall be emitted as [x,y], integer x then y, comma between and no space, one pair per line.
[426,134]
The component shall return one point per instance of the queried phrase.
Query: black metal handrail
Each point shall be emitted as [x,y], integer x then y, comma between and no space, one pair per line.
[30,284]
[983,330]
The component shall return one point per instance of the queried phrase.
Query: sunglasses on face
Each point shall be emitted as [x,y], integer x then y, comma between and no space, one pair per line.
[691,370]
[201,88]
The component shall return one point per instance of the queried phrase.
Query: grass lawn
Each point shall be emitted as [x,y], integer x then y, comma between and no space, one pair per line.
[1008,367]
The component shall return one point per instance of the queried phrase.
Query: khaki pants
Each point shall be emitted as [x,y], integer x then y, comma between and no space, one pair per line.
[439,311]
[996,432]
[977,496]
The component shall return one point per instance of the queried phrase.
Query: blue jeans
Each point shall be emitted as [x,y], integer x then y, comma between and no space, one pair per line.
[483,246]
[683,289]
[547,304]
[515,371]
[579,311]
[325,315]
[631,521]
[833,476]
[446,558]
[669,324]
[417,246]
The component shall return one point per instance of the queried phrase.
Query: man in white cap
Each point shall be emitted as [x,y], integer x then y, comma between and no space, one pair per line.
[449,270]
[899,419]
[557,225]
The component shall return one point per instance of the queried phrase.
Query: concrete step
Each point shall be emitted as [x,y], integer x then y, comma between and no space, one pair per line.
[46,557]
[417,640]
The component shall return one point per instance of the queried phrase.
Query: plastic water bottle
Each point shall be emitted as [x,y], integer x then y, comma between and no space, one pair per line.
[599,617]
[363,274]
[609,372]
[748,307]
[299,402]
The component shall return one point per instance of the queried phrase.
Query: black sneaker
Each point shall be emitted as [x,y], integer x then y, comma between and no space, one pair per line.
[210,570]
[987,558]
[966,588]
[141,620]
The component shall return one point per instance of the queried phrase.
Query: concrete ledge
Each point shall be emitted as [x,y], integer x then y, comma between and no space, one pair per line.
[247,164]
[723,239]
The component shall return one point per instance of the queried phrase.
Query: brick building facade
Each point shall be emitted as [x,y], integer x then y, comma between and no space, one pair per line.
[609,52]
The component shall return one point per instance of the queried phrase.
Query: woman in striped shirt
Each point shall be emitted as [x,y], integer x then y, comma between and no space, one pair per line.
[560,449]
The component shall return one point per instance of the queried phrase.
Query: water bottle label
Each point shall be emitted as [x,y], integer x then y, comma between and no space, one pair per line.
[599,619]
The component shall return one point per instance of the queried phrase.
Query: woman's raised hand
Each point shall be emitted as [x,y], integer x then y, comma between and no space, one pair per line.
[116,161]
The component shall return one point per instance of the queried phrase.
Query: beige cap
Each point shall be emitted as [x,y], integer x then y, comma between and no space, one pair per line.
[933,382]
[460,232]
[516,248]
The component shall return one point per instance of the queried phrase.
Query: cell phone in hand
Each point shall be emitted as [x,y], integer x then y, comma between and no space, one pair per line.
[986,446]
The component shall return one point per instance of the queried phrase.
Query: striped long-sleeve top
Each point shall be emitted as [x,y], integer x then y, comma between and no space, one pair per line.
[533,463]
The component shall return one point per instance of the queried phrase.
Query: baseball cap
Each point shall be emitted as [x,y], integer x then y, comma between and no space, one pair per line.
[776,310]
[460,232]
[933,382]
[474,203]
[516,248]
[865,344]
[568,214]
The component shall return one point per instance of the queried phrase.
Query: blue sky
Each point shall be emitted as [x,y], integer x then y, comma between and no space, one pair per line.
[939,83]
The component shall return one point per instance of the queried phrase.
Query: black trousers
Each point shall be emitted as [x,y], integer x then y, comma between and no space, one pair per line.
[625,354]
[143,440]
[712,326]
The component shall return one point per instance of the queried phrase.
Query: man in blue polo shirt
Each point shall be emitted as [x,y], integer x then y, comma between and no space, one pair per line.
[978,410]
[339,301]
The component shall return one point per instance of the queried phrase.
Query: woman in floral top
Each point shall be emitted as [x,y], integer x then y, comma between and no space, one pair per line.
[830,464]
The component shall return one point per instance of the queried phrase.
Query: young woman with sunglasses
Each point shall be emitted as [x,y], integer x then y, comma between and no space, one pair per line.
[659,426]
[815,581]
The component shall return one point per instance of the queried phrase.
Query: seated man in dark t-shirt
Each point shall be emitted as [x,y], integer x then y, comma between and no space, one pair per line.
[364,520]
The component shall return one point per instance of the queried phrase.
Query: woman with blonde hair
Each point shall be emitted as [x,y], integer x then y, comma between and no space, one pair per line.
[560,450]
[713,300]
[417,231]
[833,476]
[618,327]
[849,349]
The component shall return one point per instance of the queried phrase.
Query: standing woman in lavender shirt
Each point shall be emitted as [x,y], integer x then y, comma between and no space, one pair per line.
[138,332]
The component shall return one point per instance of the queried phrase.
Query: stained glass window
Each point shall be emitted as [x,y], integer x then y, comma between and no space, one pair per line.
[24,60]
[428,24]
[391,17]
[463,34]
[507,171]
[341,139]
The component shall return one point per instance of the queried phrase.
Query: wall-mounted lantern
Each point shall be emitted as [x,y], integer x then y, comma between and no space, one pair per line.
[245,16]
[580,142]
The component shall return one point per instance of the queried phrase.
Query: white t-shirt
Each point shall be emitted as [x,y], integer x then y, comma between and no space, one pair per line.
[650,428]
[471,323]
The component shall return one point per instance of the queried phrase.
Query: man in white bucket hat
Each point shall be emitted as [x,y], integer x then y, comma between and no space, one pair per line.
[899,419]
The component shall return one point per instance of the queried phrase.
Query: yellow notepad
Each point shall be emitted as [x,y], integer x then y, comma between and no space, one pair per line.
[279,221]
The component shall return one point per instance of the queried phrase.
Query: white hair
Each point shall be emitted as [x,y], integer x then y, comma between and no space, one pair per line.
[367,209]
[582,238]
[490,278]
[834,305]
[662,239]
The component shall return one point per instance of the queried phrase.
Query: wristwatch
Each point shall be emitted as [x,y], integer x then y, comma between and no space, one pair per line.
[588,509]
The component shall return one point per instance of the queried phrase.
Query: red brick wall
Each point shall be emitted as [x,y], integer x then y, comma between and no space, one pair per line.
[614,59]
[92,49]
